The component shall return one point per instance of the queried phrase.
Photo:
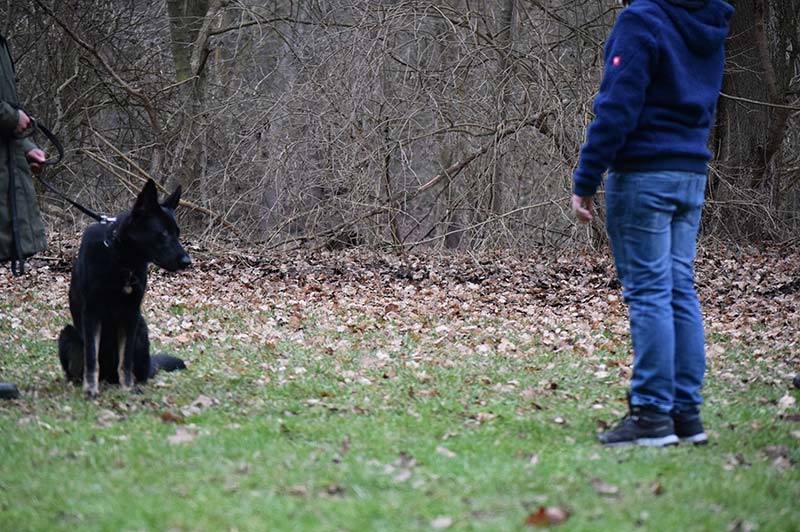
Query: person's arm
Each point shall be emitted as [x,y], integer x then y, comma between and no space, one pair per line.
[28,145]
[630,55]
[13,120]
[9,118]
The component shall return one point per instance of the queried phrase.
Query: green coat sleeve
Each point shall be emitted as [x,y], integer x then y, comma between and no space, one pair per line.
[9,117]
[27,144]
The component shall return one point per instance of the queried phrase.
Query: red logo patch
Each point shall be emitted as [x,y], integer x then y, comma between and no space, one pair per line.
[616,60]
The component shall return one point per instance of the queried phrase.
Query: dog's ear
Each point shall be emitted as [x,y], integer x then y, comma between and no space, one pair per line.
[172,201]
[147,198]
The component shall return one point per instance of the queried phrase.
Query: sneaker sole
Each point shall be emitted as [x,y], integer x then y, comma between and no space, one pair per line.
[697,439]
[664,441]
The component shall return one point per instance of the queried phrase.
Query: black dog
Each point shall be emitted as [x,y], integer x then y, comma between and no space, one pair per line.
[109,278]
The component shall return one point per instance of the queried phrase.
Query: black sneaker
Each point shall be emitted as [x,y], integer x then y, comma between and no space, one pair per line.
[642,426]
[8,391]
[688,426]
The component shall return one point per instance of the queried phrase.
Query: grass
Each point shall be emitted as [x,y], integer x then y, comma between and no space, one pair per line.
[358,421]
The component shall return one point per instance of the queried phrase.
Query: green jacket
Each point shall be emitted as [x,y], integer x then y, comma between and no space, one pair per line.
[29,226]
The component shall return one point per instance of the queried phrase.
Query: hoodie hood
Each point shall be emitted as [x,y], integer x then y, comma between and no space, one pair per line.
[703,24]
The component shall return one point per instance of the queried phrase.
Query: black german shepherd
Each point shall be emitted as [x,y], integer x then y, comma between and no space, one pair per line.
[108,339]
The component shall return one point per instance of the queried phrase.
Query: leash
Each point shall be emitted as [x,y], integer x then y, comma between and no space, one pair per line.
[36,125]
[18,264]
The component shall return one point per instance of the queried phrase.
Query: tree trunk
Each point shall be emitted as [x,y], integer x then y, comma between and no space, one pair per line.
[504,42]
[185,19]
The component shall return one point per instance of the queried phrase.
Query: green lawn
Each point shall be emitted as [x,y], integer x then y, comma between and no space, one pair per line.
[362,402]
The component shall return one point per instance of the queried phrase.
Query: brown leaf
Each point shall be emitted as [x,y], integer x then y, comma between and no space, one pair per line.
[547,515]
[334,489]
[298,490]
[170,417]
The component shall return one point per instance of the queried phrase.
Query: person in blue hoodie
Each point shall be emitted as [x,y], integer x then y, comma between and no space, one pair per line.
[663,71]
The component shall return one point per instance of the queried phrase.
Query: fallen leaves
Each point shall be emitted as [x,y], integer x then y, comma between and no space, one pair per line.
[569,299]
[779,454]
[735,460]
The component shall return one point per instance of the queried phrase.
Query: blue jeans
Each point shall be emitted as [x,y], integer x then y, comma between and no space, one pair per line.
[652,220]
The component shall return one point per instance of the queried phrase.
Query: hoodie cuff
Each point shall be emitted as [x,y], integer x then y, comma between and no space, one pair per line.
[583,189]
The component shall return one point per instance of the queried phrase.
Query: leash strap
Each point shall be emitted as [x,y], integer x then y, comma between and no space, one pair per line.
[51,162]
[85,210]
[18,262]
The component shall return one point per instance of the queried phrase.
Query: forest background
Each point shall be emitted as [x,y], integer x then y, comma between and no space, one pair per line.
[392,124]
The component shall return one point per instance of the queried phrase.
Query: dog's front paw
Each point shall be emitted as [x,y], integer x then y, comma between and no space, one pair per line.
[125,380]
[91,388]
[91,393]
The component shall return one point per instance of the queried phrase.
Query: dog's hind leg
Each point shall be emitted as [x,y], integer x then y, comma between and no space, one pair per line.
[70,352]
[126,343]
[141,352]
[91,347]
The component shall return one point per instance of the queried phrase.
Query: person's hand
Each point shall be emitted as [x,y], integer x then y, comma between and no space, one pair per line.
[35,158]
[23,123]
[582,208]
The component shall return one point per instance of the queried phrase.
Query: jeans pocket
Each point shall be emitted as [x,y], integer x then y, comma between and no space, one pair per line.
[652,206]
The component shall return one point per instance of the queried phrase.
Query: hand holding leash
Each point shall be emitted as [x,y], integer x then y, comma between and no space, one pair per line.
[36,158]
[24,128]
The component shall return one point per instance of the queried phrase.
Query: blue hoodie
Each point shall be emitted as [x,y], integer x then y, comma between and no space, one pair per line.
[663,72]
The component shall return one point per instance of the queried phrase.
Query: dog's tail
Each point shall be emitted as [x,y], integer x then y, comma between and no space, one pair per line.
[70,352]
[164,362]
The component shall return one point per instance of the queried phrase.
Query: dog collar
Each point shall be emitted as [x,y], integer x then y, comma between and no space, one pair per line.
[109,220]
